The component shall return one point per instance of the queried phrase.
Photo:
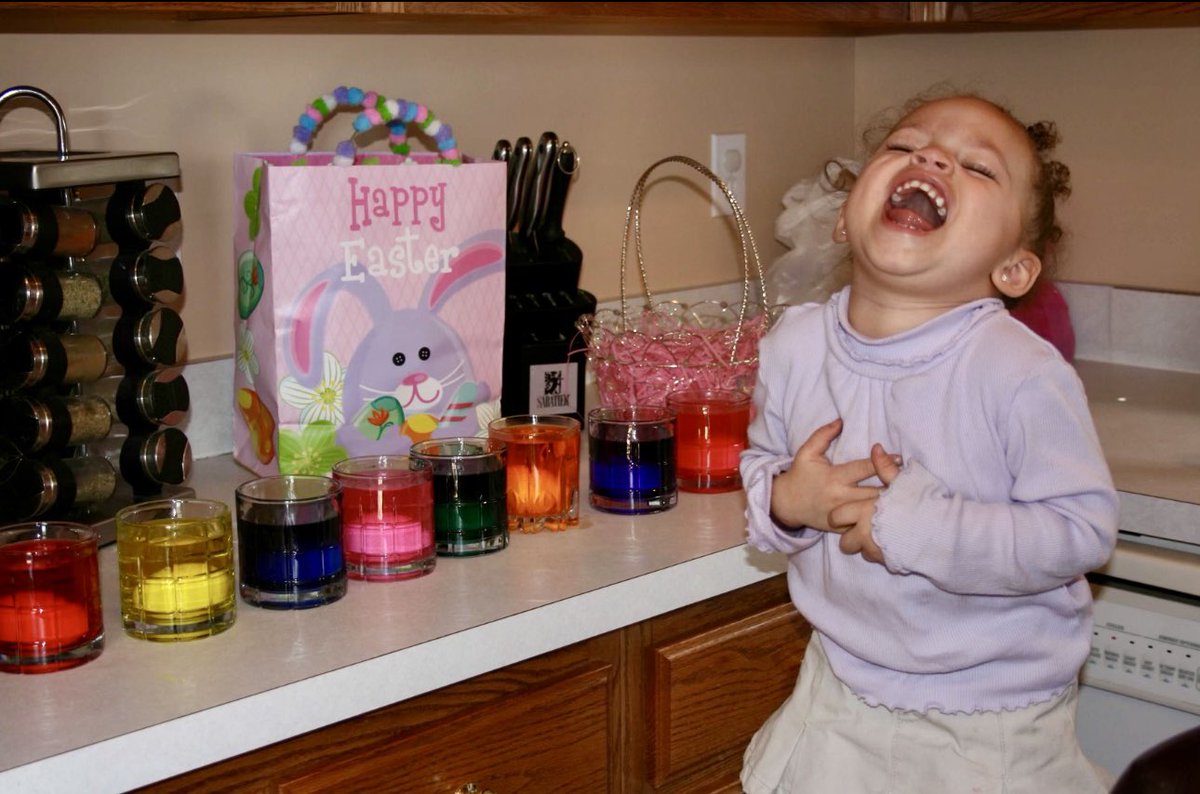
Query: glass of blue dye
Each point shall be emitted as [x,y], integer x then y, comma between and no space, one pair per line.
[289,532]
[632,459]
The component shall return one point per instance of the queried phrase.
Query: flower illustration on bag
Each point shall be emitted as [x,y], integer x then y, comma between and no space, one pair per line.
[321,403]
[485,412]
[378,415]
[313,450]
[247,361]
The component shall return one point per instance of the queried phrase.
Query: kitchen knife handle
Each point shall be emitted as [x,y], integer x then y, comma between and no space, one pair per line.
[535,208]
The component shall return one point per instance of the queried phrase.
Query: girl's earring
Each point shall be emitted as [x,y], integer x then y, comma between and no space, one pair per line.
[1004,277]
[842,234]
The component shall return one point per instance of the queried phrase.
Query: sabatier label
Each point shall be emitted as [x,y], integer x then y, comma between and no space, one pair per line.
[552,388]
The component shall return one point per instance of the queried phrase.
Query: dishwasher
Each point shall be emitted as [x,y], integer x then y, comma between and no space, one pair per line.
[1141,683]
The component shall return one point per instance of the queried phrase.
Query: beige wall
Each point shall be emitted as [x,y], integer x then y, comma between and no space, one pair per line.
[623,102]
[1128,103]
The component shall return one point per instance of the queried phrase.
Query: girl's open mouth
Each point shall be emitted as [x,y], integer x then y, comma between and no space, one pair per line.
[916,204]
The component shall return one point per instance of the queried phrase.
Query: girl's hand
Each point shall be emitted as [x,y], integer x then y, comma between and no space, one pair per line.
[806,494]
[855,518]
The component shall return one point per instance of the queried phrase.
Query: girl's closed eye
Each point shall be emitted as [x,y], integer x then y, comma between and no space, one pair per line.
[979,168]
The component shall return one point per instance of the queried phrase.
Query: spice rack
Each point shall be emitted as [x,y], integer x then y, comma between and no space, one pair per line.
[91,341]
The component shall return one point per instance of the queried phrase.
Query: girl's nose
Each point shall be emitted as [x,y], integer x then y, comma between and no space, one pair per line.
[931,156]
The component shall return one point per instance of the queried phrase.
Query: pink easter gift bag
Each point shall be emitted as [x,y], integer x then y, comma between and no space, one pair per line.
[370,307]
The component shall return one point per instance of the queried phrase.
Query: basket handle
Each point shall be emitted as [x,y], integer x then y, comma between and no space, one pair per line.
[745,238]
[397,114]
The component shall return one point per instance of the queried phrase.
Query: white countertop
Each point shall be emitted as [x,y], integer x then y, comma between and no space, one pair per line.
[146,711]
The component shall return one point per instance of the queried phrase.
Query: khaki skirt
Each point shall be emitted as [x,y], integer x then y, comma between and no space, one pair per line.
[824,739]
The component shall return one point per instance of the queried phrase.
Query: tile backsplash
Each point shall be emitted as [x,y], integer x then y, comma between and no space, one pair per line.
[1135,327]
[1157,330]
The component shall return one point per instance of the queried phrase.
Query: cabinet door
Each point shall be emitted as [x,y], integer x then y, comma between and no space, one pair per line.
[546,740]
[710,691]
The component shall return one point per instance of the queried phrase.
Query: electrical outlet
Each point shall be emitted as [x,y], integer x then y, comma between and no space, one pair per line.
[729,163]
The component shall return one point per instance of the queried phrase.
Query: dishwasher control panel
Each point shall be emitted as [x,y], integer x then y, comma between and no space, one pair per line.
[1146,644]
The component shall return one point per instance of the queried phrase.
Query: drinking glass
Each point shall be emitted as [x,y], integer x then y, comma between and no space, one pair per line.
[542,470]
[632,454]
[387,517]
[289,531]
[470,514]
[50,616]
[175,559]
[710,434]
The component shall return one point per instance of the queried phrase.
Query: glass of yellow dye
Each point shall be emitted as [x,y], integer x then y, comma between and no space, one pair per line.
[176,569]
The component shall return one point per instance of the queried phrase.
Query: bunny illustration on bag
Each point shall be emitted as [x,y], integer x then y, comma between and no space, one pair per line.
[411,370]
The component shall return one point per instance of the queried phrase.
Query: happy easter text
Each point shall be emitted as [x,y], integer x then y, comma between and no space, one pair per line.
[409,206]
[414,201]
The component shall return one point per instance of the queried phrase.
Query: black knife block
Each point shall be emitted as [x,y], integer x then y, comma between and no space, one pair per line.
[544,355]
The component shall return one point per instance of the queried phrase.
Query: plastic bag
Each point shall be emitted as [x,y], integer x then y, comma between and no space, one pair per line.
[812,270]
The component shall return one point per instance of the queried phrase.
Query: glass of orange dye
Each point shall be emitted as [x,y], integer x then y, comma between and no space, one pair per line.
[542,470]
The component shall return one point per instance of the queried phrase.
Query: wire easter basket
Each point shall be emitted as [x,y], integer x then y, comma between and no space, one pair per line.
[638,359]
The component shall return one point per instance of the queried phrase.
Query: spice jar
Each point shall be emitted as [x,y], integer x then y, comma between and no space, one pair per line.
[35,357]
[37,229]
[32,487]
[41,294]
[155,338]
[39,422]
[139,279]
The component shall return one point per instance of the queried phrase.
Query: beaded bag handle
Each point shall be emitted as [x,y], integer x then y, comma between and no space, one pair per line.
[397,114]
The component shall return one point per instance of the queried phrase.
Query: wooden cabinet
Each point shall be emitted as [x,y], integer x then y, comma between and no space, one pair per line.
[652,18]
[466,17]
[552,738]
[663,706]
[1008,16]
[709,675]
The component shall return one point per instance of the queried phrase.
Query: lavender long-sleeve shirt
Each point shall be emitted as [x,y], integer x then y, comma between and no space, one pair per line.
[1003,503]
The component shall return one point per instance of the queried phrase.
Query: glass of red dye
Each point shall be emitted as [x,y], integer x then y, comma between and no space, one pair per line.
[710,434]
[387,518]
[50,617]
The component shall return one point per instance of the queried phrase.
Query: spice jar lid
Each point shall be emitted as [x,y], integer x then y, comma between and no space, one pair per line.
[156,338]
[22,226]
[36,423]
[24,296]
[160,397]
[160,458]
[138,279]
[30,488]
[29,358]
[141,214]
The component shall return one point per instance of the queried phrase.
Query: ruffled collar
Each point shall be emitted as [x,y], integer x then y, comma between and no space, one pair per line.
[904,353]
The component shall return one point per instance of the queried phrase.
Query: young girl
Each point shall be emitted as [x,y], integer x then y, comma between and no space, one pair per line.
[930,467]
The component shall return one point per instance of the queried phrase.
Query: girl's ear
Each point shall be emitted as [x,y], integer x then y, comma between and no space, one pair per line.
[839,228]
[1017,276]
